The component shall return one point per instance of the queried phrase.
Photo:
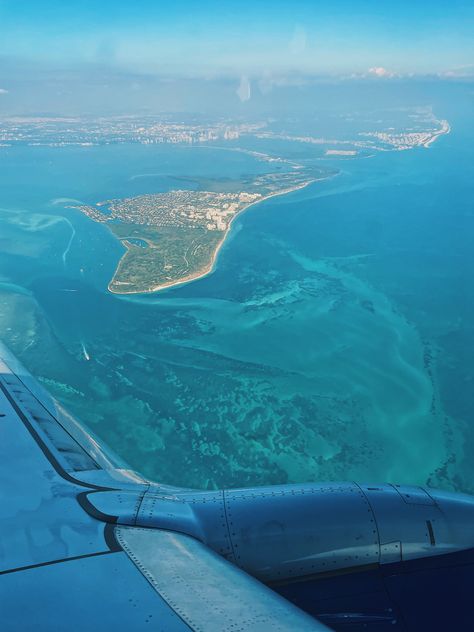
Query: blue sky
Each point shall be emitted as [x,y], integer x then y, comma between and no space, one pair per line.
[252,38]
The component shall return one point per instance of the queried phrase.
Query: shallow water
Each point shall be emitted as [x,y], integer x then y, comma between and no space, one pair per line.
[332,341]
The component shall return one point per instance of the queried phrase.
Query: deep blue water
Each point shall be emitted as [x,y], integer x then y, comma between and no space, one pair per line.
[332,341]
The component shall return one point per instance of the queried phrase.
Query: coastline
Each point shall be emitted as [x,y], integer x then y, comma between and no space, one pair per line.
[199,274]
[445,129]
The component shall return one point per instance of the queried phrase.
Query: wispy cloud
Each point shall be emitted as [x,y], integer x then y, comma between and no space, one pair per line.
[298,41]
[244,91]
[3,91]
[268,82]
[460,72]
[376,72]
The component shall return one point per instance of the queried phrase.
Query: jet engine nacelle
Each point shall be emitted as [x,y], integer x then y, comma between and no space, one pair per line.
[291,531]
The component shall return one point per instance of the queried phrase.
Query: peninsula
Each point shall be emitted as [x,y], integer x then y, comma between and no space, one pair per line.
[174,237]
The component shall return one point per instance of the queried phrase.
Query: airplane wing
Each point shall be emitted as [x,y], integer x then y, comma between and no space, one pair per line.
[86,542]
[66,565]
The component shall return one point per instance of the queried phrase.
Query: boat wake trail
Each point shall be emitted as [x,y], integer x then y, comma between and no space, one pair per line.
[71,239]
[84,351]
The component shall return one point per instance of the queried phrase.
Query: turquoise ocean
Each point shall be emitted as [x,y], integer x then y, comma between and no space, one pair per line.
[333,341]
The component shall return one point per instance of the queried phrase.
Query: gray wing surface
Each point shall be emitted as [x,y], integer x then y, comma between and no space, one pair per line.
[65,568]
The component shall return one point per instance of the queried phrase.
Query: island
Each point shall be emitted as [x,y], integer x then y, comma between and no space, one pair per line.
[174,237]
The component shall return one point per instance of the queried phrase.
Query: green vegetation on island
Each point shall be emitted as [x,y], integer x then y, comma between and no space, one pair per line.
[172,255]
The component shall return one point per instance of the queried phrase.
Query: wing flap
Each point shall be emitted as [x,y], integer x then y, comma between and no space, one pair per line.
[206,591]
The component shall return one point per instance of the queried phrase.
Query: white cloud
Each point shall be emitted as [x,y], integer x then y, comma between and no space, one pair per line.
[3,91]
[380,71]
[243,91]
